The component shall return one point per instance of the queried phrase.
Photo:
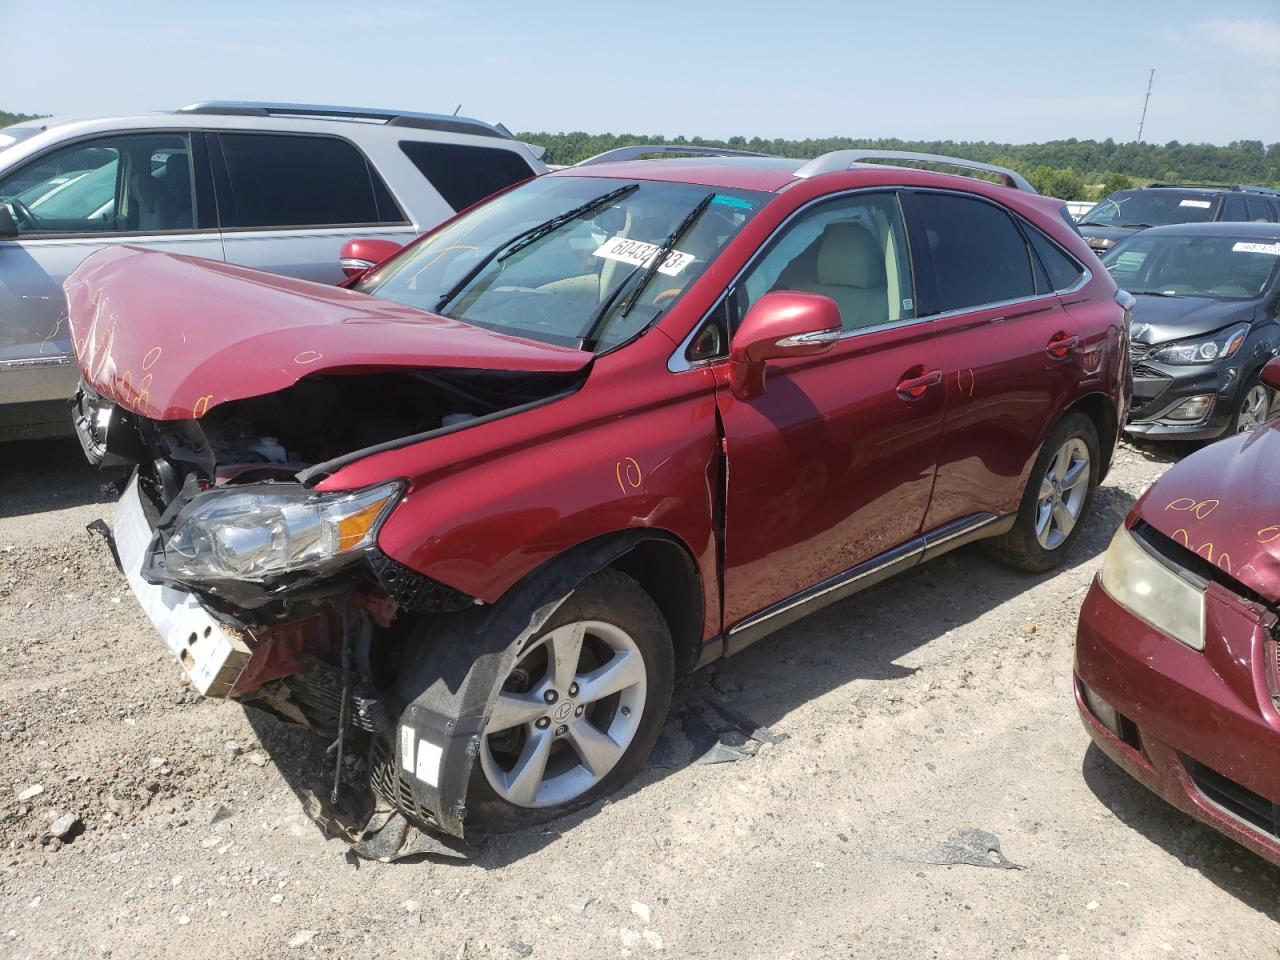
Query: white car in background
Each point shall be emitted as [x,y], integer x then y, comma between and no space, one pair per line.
[279,187]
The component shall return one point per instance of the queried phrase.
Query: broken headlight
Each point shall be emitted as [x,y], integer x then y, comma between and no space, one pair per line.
[259,531]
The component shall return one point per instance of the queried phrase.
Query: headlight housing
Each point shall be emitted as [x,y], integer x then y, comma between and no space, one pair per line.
[1217,346]
[259,531]
[1152,592]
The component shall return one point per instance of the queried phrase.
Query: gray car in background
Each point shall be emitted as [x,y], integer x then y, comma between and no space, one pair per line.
[279,187]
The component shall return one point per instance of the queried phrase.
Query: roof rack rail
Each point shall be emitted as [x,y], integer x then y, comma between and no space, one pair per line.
[1184,186]
[838,160]
[1247,188]
[618,154]
[390,118]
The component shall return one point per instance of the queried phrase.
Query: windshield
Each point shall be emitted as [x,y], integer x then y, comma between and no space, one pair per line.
[1220,267]
[1150,208]
[568,260]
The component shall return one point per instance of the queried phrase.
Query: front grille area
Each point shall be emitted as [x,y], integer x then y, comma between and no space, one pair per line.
[391,784]
[1240,803]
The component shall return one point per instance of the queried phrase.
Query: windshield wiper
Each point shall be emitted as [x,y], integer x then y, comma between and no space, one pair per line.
[532,235]
[659,258]
[1153,293]
[1137,226]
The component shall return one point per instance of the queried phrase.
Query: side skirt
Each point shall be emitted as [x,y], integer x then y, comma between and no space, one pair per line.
[936,542]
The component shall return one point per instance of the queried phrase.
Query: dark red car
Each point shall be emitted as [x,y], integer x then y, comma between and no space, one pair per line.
[472,516]
[1177,677]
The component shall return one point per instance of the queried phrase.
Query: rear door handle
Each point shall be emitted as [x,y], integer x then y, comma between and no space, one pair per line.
[1061,345]
[913,388]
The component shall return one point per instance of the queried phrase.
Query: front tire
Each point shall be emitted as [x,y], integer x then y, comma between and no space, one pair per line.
[1253,408]
[581,710]
[1057,498]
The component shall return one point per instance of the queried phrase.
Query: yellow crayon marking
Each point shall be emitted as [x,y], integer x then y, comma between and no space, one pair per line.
[202,406]
[150,359]
[1201,508]
[308,356]
[629,475]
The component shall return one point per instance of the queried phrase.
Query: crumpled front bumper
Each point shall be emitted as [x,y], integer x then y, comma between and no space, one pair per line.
[212,654]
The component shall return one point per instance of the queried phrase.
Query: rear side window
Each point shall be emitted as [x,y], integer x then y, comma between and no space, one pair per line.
[1062,272]
[465,175]
[290,181]
[1260,211]
[1234,209]
[979,256]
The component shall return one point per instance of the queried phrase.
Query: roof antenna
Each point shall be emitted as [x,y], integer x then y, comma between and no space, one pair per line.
[459,107]
[1150,80]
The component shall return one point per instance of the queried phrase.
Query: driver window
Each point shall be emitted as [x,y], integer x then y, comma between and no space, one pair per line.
[853,250]
[136,184]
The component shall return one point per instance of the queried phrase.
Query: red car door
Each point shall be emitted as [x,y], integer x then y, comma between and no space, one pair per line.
[1008,346]
[833,465]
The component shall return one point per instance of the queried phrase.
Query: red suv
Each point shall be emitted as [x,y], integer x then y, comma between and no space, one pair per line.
[471,516]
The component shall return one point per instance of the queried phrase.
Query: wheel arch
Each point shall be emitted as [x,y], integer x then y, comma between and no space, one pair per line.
[1099,408]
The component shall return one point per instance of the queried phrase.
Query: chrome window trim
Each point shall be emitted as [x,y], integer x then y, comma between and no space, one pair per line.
[679,363]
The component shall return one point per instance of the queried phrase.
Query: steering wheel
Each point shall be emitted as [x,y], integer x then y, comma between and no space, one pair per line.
[24,214]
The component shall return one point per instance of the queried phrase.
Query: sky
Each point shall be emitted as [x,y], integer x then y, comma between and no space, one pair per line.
[978,70]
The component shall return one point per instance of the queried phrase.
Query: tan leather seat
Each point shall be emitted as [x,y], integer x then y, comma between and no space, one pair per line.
[850,270]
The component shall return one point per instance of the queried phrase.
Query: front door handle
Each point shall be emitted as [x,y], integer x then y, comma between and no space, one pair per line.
[1061,344]
[913,388]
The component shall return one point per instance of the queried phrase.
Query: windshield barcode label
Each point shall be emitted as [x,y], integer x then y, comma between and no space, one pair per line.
[1243,247]
[639,254]
[1203,204]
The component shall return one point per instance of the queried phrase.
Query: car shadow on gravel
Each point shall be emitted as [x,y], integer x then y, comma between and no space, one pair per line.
[860,638]
[1237,871]
[40,475]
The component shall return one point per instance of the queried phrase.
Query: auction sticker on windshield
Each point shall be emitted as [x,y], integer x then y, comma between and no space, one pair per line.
[1202,204]
[1245,247]
[638,254]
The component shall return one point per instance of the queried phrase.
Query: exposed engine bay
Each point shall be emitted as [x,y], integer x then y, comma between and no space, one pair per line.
[326,643]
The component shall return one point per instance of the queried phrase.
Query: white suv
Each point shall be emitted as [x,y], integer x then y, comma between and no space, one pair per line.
[279,187]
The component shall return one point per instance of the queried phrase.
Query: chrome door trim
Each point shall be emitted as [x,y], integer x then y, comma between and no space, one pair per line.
[925,544]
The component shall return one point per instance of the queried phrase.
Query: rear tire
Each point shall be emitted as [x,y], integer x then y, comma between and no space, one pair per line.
[581,745]
[1053,508]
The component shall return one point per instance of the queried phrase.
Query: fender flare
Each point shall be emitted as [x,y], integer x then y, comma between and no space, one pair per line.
[423,765]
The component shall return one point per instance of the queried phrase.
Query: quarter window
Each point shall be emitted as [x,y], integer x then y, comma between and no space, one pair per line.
[140,183]
[293,181]
[1260,211]
[1062,272]
[465,175]
[979,256]
[853,250]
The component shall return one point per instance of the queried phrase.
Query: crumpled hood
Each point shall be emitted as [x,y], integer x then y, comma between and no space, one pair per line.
[1158,319]
[1223,502]
[170,337]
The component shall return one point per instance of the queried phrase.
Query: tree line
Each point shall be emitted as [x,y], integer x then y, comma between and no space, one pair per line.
[1070,169]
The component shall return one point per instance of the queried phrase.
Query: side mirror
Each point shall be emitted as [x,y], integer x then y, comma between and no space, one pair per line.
[1271,374]
[359,256]
[781,324]
[8,226]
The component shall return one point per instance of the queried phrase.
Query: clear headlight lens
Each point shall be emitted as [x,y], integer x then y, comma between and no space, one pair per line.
[1219,346]
[1151,591]
[254,532]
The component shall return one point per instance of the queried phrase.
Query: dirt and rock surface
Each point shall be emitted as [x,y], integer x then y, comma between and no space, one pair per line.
[916,713]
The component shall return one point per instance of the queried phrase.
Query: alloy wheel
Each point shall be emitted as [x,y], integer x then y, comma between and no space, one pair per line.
[1254,408]
[1063,490]
[566,714]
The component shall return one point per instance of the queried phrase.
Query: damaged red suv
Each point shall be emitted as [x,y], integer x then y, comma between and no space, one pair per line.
[1177,675]
[472,516]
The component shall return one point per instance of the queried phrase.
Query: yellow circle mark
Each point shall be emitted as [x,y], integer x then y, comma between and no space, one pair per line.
[202,406]
[150,359]
[629,475]
[308,356]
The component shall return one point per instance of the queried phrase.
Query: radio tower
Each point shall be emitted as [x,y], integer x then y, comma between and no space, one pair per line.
[1147,99]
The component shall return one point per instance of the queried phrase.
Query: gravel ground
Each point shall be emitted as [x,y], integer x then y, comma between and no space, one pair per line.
[931,705]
